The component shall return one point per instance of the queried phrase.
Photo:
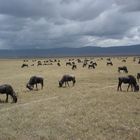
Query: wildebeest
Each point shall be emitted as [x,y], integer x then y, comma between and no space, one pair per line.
[24,65]
[124,68]
[138,76]
[91,66]
[74,66]
[39,63]
[8,90]
[34,80]
[85,64]
[94,63]
[130,80]
[58,64]
[109,63]
[65,79]
[68,63]
[123,60]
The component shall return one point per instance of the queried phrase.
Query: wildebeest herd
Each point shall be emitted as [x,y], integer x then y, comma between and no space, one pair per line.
[66,78]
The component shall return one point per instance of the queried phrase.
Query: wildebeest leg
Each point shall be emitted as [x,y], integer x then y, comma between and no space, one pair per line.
[65,84]
[132,87]
[119,86]
[36,85]
[6,98]
[42,85]
[129,86]
[68,83]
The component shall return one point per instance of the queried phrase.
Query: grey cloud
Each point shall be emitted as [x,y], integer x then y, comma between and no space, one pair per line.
[129,5]
[68,23]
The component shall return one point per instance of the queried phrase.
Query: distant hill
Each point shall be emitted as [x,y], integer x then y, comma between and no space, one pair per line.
[61,52]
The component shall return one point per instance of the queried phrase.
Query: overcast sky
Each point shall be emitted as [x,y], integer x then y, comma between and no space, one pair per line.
[68,23]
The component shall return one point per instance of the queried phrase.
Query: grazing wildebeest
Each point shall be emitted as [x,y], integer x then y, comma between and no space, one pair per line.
[85,64]
[58,64]
[65,79]
[109,59]
[39,63]
[8,90]
[91,66]
[68,63]
[109,63]
[138,76]
[74,66]
[34,80]
[123,60]
[94,63]
[130,80]
[124,68]
[24,65]
[79,60]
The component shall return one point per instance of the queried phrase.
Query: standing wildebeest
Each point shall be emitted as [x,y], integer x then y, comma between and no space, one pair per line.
[39,63]
[123,60]
[8,90]
[58,64]
[68,63]
[124,68]
[65,79]
[91,66]
[85,64]
[24,65]
[34,80]
[74,66]
[130,80]
[138,76]
[109,63]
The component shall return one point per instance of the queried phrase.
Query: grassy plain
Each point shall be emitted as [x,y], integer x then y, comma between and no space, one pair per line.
[91,110]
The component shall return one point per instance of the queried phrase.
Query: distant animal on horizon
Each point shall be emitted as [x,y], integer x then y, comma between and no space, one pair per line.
[94,63]
[34,80]
[8,90]
[123,60]
[124,68]
[130,80]
[68,63]
[24,65]
[74,66]
[109,63]
[39,63]
[85,64]
[58,64]
[66,79]
[91,66]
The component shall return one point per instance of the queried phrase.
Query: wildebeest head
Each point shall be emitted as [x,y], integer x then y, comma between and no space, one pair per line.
[14,96]
[136,88]
[30,87]
[60,83]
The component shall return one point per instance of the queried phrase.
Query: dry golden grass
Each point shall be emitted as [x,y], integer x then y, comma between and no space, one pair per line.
[91,110]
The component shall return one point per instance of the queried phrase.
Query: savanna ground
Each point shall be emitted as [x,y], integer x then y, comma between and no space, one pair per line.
[91,110]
